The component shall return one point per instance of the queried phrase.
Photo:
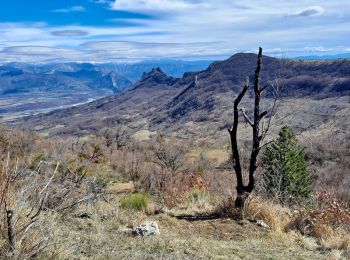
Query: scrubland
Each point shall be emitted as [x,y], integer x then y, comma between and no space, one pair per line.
[80,198]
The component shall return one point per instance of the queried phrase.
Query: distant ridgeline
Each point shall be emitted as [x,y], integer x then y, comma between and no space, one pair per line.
[163,102]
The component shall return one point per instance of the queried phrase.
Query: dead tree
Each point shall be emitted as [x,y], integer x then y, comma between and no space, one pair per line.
[10,232]
[258,135]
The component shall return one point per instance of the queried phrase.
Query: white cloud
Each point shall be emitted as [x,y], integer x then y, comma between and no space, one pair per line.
[193,29]
[70,9]
[152,5]
[37,54]
[151,50]
[309,11]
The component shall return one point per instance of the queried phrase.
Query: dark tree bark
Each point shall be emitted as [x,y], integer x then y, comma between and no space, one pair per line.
[234,144]
[10,231]
[242,190]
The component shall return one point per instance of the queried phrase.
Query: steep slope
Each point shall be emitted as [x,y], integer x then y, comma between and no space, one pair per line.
[133,106]
[211,96]
[205,98]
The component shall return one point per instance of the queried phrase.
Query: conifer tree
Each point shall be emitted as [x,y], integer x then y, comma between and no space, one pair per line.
[286,175]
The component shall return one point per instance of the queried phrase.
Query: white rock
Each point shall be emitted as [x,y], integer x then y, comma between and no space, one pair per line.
[147,229]
[261,223]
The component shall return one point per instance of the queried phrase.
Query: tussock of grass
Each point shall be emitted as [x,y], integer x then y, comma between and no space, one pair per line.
[272,214]
[197,202]
[335,255]
[332,238]
[136,201]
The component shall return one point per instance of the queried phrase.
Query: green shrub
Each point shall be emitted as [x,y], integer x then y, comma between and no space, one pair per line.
[137,201]
[286,175]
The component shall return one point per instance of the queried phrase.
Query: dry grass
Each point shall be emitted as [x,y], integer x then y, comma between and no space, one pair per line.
[120,187]
[143,135]
[332,238]
[104,236]
[196,189]
[197,202]
[274,215]
[217,156]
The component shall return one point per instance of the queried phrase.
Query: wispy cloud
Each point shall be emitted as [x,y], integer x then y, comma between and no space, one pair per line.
[101,1]
[188,29]
[77,8]
[69,33]
[154,5]
[38,54]
[309,11]
[152,50]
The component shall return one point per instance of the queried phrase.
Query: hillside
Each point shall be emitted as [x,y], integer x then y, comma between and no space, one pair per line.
[26,89]
[102,189]
[311,93]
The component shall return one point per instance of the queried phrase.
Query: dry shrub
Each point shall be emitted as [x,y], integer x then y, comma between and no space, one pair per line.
[329,212]
[176,191]
[227,208]
[34,179]
[274,215]
[328,222]
[329,155]
[330,238]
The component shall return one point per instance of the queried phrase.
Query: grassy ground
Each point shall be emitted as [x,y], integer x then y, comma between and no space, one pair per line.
[217,156]
[105,236]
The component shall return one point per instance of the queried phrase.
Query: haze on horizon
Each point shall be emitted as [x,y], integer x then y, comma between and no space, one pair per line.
[138,30]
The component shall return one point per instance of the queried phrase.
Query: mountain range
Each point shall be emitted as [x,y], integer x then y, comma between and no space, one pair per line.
[312,94]
[27,89]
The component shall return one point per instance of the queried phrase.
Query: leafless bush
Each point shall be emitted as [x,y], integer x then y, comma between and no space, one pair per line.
[168,155]
[329,156]
[35,178]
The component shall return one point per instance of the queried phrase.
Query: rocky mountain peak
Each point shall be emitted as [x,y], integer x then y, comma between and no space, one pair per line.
[156,75]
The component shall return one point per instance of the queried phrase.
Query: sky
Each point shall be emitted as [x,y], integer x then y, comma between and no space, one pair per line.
[42,31]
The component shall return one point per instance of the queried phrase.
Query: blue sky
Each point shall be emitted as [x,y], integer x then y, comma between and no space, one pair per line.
[134,30]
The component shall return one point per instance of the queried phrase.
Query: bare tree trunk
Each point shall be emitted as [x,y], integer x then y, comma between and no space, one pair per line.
[10,231]
[257,118]
[234,144]
[242,190]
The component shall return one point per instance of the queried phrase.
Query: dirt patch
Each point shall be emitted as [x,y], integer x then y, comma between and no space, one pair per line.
[218,229]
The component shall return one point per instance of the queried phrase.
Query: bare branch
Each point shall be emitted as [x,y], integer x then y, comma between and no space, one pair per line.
[262,115]
[76,203]
[266,130]
[246,117]
[265,87]
[49,182]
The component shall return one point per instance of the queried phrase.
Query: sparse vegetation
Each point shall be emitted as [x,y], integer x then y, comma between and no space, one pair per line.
[90,194]
[78,198]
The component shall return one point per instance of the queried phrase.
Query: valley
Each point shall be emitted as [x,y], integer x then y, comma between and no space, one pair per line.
[27,89]
[311,94]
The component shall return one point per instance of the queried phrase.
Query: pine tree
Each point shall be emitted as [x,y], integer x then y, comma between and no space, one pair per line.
[286,173]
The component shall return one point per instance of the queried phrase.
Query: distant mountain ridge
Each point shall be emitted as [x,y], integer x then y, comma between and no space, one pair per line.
[158,101]
[31,88]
